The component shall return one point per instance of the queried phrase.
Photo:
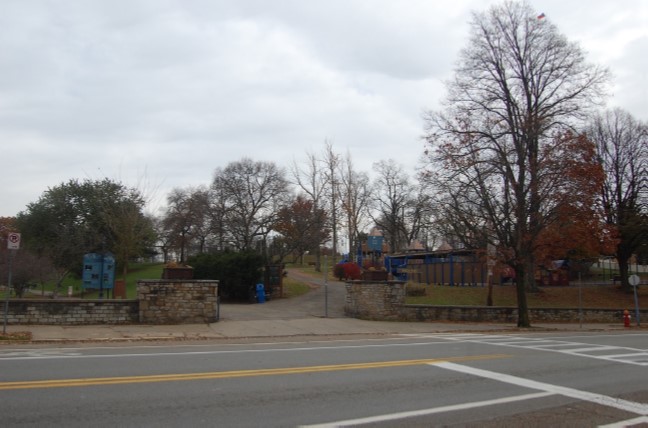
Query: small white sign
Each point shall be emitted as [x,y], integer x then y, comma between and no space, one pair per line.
[13,241]
[634,280]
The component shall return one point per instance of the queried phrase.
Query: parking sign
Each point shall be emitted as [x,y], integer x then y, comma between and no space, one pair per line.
[13,241]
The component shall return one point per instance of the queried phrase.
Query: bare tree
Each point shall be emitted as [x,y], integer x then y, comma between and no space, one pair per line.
[313,181]
[332,165]
[164,238]
[422,217]
[621,144]
[393,204]
[27,267]
[252,194]
[355,196]
[184,221]
[517,85]
[131,229]
[217,211]
[642,251]
[200,210]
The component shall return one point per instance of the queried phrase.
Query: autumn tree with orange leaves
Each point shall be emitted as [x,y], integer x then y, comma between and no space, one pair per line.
[301,226]
[577,227]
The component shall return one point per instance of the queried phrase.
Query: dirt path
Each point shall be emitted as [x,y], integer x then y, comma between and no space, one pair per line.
[319,302]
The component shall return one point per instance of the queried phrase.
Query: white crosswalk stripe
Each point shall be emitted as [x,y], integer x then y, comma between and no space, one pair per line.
[617,354]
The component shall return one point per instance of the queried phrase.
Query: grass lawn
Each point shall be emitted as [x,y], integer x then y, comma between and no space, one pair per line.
[599,296]
[591,296]
[136,272]
[294,288]
[310,270]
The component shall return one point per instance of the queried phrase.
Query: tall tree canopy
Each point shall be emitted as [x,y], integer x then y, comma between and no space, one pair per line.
[577,228]
[395,211]
[78,217]
[303,226]
[518,85]
[251,194]
[186,222]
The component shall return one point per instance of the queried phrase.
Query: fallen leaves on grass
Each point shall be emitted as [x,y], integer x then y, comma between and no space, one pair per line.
[16,335]
[592,296]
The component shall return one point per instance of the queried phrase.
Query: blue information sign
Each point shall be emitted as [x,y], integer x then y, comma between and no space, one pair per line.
[375,243]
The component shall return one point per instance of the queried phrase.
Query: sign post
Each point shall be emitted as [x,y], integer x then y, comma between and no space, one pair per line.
[325,286]
[634,280]
[13,243]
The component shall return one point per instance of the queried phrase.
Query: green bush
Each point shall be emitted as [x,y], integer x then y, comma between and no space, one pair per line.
[237,273]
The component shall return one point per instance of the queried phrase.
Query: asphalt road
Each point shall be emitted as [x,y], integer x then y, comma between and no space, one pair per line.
[535,380]
[326,299]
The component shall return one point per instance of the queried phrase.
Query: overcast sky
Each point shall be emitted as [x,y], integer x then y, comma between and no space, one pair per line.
[159,93]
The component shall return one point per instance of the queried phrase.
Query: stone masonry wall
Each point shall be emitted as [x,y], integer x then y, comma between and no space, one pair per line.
[386,301]
[72,311]
[177,301]
[374,300]
[158,302]
[510,314]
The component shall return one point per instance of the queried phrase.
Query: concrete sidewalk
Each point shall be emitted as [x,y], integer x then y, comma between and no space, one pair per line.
[304,328]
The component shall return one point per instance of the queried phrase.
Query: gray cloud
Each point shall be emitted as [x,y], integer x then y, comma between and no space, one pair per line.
[165,91]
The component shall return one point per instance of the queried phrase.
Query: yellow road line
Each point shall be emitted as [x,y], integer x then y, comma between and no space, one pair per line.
[65,383]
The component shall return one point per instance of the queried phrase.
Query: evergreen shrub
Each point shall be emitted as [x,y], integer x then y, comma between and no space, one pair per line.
[237,272]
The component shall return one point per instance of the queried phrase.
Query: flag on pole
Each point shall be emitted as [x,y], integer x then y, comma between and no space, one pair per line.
[541,16]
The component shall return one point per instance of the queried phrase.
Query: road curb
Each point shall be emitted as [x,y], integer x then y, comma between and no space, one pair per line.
[211,337]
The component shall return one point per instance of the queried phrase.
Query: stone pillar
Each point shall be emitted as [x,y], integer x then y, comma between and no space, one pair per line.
[380,300]
[177,301]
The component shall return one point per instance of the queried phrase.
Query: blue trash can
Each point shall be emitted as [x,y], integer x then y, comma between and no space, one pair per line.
[260,293]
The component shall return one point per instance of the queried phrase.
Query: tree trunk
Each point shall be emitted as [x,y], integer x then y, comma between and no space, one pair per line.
[489,299]
[624,270]
[523,309]
[530,275]
[623,254]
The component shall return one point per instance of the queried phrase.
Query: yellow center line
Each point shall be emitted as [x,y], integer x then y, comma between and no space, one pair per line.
[65,383]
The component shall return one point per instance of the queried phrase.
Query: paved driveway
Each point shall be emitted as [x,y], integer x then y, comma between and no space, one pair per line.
[316,303]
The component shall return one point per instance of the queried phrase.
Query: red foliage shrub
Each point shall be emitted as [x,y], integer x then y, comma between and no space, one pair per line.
[348,271]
